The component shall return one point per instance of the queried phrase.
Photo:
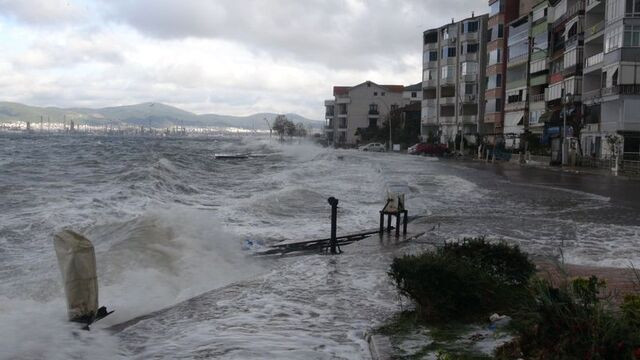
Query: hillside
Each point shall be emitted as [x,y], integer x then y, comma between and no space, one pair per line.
[154,115]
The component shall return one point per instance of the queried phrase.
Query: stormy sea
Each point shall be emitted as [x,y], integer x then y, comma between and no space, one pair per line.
[174,230]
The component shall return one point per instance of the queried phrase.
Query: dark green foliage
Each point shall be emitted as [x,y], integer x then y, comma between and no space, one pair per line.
[465,280]
[574,322]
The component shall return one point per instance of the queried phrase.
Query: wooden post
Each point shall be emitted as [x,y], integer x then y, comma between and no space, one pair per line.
[334,219]
[388,222]
[398,214]
[404,228]
[381,222]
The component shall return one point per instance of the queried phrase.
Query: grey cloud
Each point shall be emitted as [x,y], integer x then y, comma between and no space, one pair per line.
[42,12]
[336,33]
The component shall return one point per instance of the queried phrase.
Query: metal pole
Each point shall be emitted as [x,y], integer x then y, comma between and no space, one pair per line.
[564,131]
[334,219]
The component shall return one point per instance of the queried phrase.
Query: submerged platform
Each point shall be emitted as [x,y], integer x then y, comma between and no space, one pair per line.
[322,245]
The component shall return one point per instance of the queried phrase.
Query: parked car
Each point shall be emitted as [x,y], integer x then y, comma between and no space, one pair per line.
[372,147]
[427,149]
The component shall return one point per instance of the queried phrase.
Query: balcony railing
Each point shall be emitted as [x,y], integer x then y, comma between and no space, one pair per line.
[591,3]
[515,106]
[594,29]
[593,94]
[537,98]
[621,90]
[328,127]
[329,114]
[373,112]
[594,60]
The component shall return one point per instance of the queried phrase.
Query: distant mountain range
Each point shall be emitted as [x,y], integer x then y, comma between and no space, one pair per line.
[155,115]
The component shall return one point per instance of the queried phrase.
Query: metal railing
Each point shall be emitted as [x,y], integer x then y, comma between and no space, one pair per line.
[537,98]
[590,95]
[622,90]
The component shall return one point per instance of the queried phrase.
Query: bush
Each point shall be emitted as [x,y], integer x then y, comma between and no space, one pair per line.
[464,280]
[574,321]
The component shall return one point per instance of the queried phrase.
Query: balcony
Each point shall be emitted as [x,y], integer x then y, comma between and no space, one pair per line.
[469,119]
[517,60]
[469,78]
[343,100]
[342,114]
[515,106]
[447,100]
[571,12]
[469,36]
[537,98]
[431,46]
[447,120]
[429,102]
[329,114]
[469,98]
[342,126]
[514,84]
[575,40]
[621,90]
[591,95]
[594,60]
[328,128]
[594,30]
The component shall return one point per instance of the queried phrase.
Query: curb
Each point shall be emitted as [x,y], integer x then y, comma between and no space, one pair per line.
[379,347]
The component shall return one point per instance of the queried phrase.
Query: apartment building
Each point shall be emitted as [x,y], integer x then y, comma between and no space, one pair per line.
[364,106]
[454,66]
[518,69]
[611,85]
[501,13]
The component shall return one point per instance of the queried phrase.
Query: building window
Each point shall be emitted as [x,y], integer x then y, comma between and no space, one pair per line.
[472,48]
[414,94]
[429,74]
[615,10]
[541,41]
[632,35]
[433,56]
[613,39]
[469,68]
[373,122]
[470,27]
[375,93]
[496,8]
[373,108]
[448,72]
[494,81]
[448,52]
[633,8]
[469,89]
[494,57]
[382,93]
[539,14]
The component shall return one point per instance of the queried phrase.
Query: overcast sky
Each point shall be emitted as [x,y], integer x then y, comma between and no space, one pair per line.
[234,57]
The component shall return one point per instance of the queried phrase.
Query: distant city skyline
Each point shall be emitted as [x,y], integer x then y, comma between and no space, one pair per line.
[225,57]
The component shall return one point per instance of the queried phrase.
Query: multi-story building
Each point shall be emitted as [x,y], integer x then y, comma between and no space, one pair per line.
[501,13]
[355,109]
[517,81]
[611,84]
[454,64]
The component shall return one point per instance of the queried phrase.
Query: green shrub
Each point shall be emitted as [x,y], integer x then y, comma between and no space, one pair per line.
[464,280]
[573,322]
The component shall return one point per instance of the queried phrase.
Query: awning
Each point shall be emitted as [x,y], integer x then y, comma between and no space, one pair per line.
[549,116]
[513,119]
